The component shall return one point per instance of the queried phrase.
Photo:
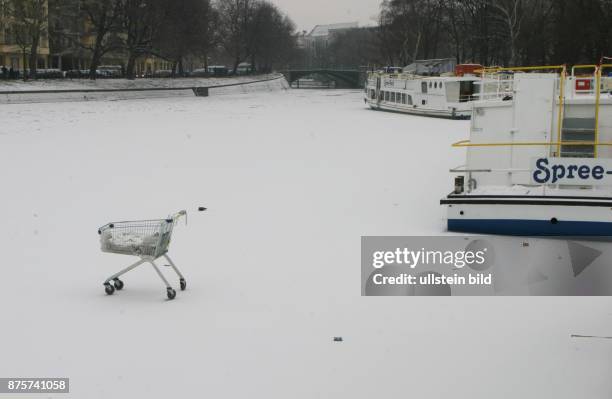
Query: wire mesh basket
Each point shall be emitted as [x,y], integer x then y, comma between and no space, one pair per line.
[144,238]
[147,239]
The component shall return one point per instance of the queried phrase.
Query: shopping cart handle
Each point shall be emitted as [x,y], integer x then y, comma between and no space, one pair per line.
[109,225]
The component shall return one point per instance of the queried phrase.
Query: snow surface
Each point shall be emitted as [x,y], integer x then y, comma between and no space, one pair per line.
[292,179]
[51,90]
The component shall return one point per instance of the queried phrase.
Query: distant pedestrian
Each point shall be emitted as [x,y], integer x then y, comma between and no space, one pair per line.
[11,73]
[4,73]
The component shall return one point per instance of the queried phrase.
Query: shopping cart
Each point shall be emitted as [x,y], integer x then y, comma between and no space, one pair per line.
[147,239]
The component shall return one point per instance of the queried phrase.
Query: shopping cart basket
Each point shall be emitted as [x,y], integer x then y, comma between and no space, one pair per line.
[147,239]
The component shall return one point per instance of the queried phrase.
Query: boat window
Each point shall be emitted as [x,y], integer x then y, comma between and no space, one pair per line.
[430,85]
[392,96]
[386,96]
[440,84]
[435,85]
[409,100]
[398,97]
[373,94]
[403,98]
[452,92]
[466,91]
[424,87]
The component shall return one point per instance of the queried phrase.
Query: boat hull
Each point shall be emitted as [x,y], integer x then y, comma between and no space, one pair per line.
[530,215]
[430,112]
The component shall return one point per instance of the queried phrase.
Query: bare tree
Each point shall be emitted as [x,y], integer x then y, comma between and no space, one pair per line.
[236,16]
[29,24]
[511,15]
[104,17]
[270,38]
[413,26]
[140,19]
[188,29]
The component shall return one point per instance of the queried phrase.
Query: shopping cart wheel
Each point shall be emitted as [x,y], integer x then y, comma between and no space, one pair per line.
[183,284]
[110,290]
[171,293]
[118,284]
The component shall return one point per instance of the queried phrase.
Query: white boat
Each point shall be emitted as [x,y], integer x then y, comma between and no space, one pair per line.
[539,156]
[448,95]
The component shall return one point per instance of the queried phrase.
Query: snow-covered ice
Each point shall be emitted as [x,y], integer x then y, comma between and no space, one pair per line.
[292,180]
[44,91]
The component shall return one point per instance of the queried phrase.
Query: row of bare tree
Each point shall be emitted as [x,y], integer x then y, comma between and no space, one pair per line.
[489,32]
[496,32]
[241,30]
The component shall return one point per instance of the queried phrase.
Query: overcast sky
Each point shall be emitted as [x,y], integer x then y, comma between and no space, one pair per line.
[308,13]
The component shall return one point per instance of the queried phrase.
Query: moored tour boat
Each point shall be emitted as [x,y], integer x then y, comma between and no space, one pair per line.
[539,156]
[437,88]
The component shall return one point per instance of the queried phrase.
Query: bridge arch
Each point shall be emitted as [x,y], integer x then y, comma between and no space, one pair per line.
[352,77]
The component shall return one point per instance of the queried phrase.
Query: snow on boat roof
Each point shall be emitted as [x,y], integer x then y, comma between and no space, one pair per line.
[438,65]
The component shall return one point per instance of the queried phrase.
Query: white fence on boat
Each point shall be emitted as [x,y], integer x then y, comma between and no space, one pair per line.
[498,83]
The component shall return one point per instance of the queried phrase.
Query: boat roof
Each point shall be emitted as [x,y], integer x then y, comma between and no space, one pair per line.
[438,65]
[432,78]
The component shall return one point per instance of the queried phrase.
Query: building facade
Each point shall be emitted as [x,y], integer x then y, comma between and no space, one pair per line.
[67,42]
[11,51]
[314,44]
[73,38]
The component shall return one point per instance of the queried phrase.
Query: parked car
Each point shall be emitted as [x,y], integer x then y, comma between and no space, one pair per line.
[74,74]
[48,73]
[111,71]
[199,72]
[162,73]
[218,70]
[40,74]
[244,68]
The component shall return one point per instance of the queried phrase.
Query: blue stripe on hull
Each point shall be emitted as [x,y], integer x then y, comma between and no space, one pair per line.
[517,227]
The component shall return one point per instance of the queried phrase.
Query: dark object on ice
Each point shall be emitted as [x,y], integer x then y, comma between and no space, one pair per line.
[589,336]
[338,339]
[459,184]
[201,209]
[200,91]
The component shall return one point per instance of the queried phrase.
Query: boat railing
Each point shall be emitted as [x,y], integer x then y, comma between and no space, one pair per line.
[468,143]
[497,83]
[562,95]
[472,183]
[589,84]
[462,169]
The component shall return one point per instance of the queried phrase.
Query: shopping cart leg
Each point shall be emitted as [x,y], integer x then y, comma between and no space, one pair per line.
[169,290]
[182,279]
[127,269]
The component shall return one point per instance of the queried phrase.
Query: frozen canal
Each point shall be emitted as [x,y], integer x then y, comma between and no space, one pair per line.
[292,179]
